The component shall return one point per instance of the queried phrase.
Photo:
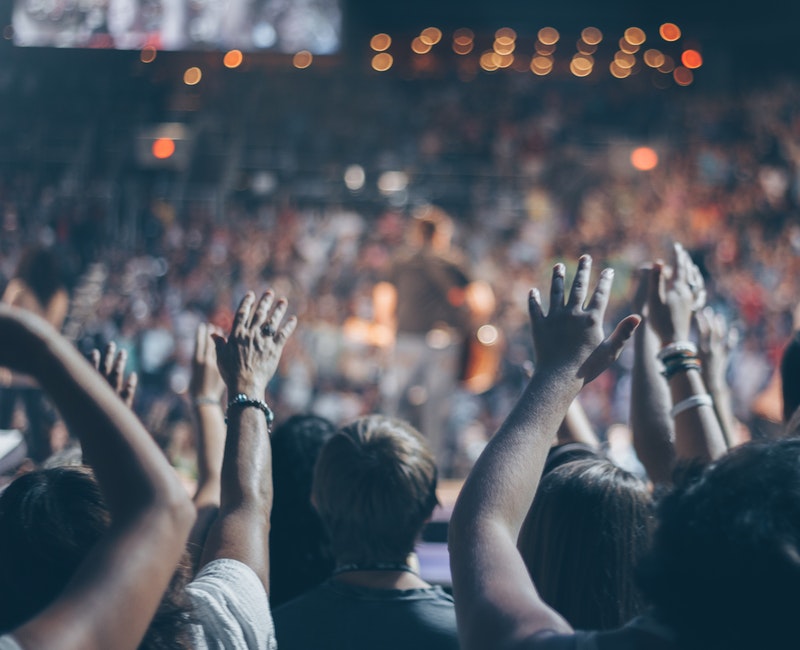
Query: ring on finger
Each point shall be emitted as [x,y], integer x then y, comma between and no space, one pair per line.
[268,330]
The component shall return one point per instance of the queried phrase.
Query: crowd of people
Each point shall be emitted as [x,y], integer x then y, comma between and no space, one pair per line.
[643,492]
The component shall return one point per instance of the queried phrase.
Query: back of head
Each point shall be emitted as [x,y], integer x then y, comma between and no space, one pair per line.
[374,488]
[299,554]
[49,520]
[39,270]
[587,528]
[790,377]
[434,227]
[725,565]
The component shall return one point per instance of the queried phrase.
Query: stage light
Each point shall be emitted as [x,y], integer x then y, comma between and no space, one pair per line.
[382,62]
[692,59]
[163,148]
[683,76]
[644,159]
[669,32]
[549,35]
[591,35]
[192,76]
[654,58]
[233,59]
[635,35]
[302,59]
[380,42]
[148,54]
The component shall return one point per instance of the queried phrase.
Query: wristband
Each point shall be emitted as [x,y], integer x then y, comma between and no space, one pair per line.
[674,366]
[704,399]
[241,401]
[202,399]
[677,349]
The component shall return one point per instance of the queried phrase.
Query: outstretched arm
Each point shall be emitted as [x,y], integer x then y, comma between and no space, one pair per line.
[497,605]
[247,361]
[150,512]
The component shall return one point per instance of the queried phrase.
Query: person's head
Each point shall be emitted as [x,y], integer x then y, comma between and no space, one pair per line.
[300,558]
[790,377]
[374,488]
[433,227]
[49,520]
[588,525]
[724,569]
[39,270]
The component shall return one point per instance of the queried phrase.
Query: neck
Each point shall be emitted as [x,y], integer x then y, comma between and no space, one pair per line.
[381,575]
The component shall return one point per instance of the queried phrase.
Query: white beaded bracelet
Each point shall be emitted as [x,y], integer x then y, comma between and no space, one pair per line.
[694,401]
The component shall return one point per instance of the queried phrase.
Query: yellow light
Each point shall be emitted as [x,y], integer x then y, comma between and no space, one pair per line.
[668,65]
[505,35]
[504,48]
[628,48]
[624,60]
[683,76]
[576,69]
[418,46]
[591,36]
[192,76]
[148,54]
[544,50]
[644,159]
[670,32]
[382,62]
[582,62]
[654,58]
[380,42]
[233,59]
[431,35]
[549,35]
[463,36]
[463,48]
[618,72]
[692,59]
[541,65]
[487,61]
[635,35]
[585,48]
[302,59]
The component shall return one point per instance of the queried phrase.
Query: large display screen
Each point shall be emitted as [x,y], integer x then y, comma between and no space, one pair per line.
[285,26]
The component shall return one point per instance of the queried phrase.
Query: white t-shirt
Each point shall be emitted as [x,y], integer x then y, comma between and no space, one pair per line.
[7,643]
[231,608]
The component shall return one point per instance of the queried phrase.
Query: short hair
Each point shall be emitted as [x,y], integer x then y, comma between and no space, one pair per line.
[299,554]
[430,220]
[589,524]
[49,520]
[724,569]
[374,488]
[790,377]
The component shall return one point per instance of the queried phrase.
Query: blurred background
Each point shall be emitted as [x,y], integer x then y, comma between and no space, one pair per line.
[175,153]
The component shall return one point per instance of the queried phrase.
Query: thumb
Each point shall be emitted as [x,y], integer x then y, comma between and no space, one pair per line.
[622,332]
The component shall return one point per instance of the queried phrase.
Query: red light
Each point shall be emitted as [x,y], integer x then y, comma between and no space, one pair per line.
[692,59]
[163,148]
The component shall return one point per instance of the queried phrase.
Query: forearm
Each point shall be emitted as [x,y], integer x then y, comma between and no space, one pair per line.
[651,424]
[210,453]
[698,434]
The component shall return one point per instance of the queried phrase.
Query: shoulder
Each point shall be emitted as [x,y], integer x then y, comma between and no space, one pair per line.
[231,609]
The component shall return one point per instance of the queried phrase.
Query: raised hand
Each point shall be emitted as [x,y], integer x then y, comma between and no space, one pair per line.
[570,337]
[248,359]
[111,365]
[676,292]
[206,383]
[715,341]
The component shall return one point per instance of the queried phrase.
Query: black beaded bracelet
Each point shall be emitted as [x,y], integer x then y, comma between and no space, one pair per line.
[242,401]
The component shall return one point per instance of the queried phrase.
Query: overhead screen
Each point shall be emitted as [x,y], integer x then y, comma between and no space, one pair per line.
[283,26]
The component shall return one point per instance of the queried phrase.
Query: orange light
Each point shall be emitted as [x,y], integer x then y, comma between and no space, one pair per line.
[635,35]
[148,54]
[582,62]
[624,60]
[302,59]
[380,42]
[544,50]
[692,59]
[192,76]
[644,159]
[670,32]
[683,76]
[487,61]
[505,34]
[654,58]
[431,35]
[549,35]
[233,59]
[463,36]
[382,62]
[418,46]
[163,148]
[591,35]
[668,65]
[463,48]
[627,47]
[579,68]
[504,48]
[618,72]
[541,65]
[585,48]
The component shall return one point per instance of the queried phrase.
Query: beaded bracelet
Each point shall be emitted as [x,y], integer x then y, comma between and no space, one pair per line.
[243,401]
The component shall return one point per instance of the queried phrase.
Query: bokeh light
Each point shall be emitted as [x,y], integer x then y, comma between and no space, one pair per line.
[549,35]
[382,62]
[380,42]
[148,54]
[233,59]
[354,177]
[505,36]
[670,32]
[504,48]
[541,65]
[654,58]
[418,46]
[302,59]
[618,72]
[431,35]
[635,35]
[192,76]
[683,76]
[591,35]
[163,148]
[644,159]
[628,48]
[692,59]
